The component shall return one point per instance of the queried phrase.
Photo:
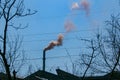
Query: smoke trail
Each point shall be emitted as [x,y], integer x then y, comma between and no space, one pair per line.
[85,5]
[75,6]
[52,44]
[82,5]
[69,26]
[60,40]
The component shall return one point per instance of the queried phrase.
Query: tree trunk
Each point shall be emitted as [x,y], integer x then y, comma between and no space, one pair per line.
[6,68]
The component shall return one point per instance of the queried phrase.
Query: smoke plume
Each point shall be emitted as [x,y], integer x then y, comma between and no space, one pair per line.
[69,25]
[52,44]
[85,5]
[82,5]
[75,6]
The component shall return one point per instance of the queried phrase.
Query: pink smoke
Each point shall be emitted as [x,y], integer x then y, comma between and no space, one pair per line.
[69,26]
[83,5]
[55,43]
[75,6]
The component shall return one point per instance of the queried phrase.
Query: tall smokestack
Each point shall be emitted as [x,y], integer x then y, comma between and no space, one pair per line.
[52,44]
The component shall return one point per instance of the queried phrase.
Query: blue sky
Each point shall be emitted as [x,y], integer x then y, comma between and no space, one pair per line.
[49,21]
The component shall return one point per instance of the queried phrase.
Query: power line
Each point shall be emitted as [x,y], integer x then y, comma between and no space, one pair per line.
[49,57]
[71,48]
[38,40]
[51,33]
[72,38]
[43,40]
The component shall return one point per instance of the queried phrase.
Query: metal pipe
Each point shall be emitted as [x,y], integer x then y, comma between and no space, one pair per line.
[44,58]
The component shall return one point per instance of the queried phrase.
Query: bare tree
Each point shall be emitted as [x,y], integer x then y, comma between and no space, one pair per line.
[109,44]
[86,60]
[73,68]
[113,42]
[10,10]
[90,57]
[105,49]
[103,55]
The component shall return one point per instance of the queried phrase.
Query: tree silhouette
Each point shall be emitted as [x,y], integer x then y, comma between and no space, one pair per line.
[105,49]
[10,10]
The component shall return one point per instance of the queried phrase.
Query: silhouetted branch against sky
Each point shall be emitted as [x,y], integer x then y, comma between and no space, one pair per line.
[9,52]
